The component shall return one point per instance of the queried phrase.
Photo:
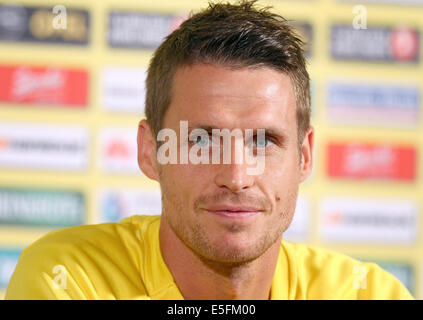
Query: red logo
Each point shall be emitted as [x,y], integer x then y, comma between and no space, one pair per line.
[404,44]
[4,143]
[43,85]
[371,161]
[118,149]
[333,218]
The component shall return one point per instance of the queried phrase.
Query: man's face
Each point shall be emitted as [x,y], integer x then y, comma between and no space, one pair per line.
[218,210]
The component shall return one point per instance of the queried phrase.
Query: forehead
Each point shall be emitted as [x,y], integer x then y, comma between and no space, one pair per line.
[243,98]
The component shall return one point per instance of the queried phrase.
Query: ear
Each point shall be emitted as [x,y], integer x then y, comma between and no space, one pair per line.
[147,150]
[307,154]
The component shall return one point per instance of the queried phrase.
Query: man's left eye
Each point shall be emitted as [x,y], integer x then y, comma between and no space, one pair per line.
[262,142]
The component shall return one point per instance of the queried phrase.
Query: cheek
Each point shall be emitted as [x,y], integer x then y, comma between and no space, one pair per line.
[282,179]
[196,175]
[283,173]
[185,180]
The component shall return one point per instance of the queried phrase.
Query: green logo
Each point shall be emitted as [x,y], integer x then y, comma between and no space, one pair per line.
[43,208]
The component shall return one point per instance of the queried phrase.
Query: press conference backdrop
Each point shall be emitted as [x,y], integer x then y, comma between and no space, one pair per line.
[72,94]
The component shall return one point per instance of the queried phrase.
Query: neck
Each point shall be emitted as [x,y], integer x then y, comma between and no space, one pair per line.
[198,278]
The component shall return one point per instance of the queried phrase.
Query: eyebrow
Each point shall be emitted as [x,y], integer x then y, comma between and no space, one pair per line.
[278,134]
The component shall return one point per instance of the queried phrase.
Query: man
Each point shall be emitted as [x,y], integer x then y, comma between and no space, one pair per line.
[231,67]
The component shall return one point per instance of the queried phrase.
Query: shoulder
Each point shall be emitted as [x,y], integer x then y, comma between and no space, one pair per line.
[93,258]
[326,274]
[314,256]
[105,236]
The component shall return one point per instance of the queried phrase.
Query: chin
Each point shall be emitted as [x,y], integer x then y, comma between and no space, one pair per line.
[240,250]
[228,256]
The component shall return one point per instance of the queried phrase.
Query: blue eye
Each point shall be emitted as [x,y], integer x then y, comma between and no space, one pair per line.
[262,142]
[203,141]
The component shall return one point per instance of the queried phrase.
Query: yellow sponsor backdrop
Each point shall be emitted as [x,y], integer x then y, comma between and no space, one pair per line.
[98,55]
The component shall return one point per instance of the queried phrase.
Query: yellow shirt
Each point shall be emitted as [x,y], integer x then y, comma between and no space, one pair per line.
[123,261]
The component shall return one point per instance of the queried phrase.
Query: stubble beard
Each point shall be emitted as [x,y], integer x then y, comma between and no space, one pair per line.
[194,235]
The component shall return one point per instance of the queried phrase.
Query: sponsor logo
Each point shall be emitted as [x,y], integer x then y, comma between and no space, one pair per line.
[8,260]
[118,150]
[371,161]
[369,104]
[48,147]
[372,221]
[300,226]
[399,44]
[43,85]
[140,29]
[404,44]
[44,208]
[37,24]
[118,204]
[124,89]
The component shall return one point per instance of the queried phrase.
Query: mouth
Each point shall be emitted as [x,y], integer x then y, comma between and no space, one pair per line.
[233,212]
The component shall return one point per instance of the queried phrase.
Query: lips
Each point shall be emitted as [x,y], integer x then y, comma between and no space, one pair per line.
[231,211]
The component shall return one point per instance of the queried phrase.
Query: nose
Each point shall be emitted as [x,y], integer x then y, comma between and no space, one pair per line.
[233,175]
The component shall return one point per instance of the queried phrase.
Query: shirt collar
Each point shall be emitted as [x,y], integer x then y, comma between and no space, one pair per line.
[281,280]
[159,281]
